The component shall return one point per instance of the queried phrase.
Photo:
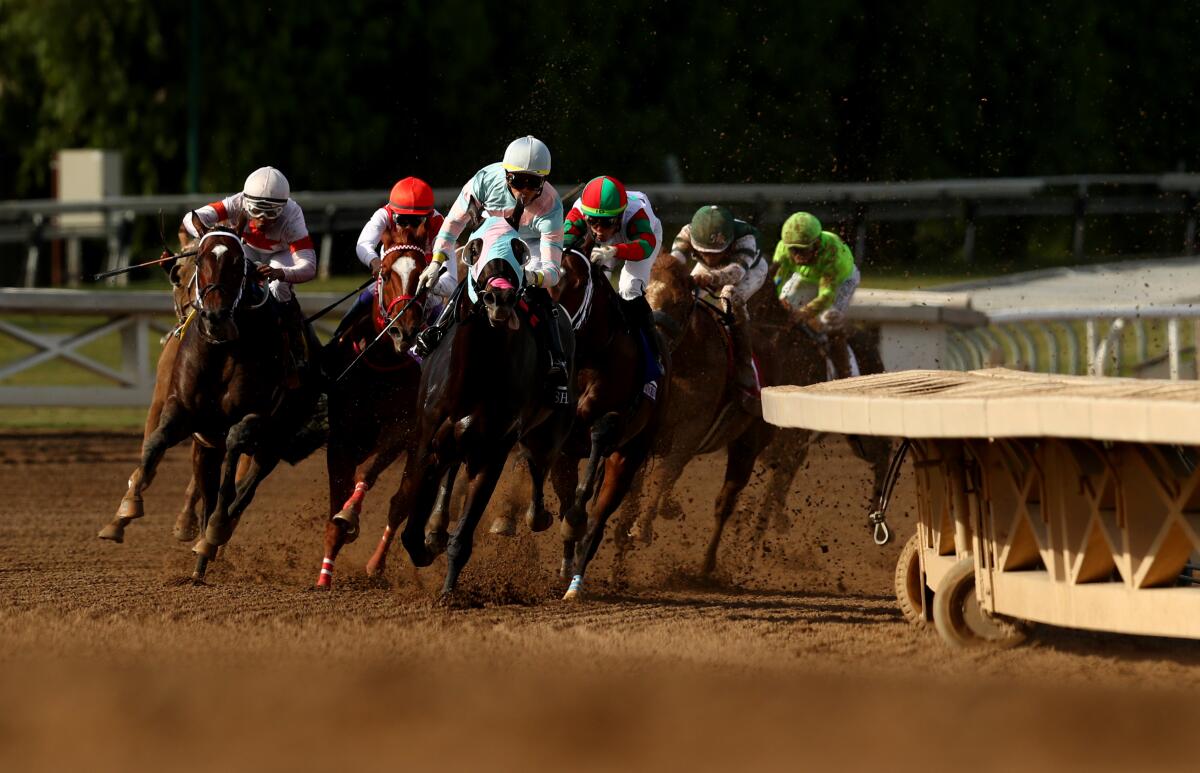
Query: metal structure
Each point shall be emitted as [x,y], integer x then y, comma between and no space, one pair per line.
[1072,501]
[1114,341]
[852,205]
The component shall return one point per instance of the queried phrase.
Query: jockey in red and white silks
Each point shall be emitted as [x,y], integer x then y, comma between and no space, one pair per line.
[275,235]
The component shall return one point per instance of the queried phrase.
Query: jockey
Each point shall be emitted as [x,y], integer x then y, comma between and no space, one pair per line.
[818,279]
[410,203]
[729,264]
[516,190]
[276,240]
[624,228]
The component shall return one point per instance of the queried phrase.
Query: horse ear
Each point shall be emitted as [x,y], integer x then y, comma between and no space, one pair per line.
[240,224]
[173,273]
[471,251]
[520,251]
[197,224]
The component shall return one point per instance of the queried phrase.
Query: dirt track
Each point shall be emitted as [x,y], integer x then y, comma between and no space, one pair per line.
[796,658]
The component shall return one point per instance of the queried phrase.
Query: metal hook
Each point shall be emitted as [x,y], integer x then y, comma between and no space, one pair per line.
[879,528]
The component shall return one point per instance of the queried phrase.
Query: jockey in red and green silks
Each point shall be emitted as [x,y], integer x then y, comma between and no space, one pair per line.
[625,230]
[817,279]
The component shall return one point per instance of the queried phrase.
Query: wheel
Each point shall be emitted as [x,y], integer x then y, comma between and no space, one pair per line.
[913,598]
[962,622]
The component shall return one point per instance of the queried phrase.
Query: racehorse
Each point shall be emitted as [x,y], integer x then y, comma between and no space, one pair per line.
[372,409]
[226,390]
[482,390]
[622,399]
[703,415]
[701,418]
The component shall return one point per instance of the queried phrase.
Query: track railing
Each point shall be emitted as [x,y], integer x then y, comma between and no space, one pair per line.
[1137,341]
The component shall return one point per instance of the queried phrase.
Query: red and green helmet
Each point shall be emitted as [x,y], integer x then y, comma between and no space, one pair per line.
[604,197]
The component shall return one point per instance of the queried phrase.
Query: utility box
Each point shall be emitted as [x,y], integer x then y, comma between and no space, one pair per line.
[87,174]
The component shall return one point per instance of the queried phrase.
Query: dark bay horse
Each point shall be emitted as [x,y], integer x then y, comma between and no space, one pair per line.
[482,391]
[616,417]
[225,390]
[372,409]
[701,419]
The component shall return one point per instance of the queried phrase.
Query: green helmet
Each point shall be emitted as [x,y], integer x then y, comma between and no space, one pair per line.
[801,230]
[712,229]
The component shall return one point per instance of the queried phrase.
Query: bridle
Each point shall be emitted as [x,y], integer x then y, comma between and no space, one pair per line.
[200,293]
[384,315]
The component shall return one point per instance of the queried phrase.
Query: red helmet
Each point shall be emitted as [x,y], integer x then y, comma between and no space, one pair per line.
[410,196]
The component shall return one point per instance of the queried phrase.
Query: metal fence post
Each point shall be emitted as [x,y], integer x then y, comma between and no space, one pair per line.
[1080,213]
[33,253]
[324,269]
[970,210]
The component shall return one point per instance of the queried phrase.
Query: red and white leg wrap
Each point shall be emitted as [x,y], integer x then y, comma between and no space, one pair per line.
[325,578]
[354,503]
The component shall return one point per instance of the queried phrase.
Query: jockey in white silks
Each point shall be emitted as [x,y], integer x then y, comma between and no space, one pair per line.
[276,240]
[516,190]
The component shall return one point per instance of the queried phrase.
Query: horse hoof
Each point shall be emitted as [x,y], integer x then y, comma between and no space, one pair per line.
[219,532]
[574,525]
[130,508]
[640,532]
[348,520]
[575,591]
[436,542]
[186,532]
[205,549]
[539,520]
[114,531]
[504,526]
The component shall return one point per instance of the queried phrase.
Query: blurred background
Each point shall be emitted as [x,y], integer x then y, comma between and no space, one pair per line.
[947,143]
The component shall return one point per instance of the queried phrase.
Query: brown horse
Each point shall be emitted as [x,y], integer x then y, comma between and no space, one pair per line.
[616,417]
[702,416]
[482,391]
[372,409]
[226,390]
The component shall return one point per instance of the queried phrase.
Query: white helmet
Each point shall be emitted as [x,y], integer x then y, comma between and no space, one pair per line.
[527,155]
[266,191]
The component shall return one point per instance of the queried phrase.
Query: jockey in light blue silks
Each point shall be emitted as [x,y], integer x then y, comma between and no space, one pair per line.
[515,190]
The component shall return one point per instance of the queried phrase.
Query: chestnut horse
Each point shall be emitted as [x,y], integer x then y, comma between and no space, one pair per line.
[617,415]
[372,409]
[482,391]
[226,390]
[701,417]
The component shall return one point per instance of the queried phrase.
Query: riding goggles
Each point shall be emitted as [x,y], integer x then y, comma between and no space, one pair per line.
[408,221]
[264,209]
[522,181]
[601,222]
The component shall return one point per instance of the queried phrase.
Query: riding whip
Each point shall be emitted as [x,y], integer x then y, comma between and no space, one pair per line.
[126,269]
[339,301]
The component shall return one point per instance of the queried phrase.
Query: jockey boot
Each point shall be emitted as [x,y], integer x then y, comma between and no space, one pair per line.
[640,315]
[556,374]
[428,339]
[745,381]
[839,354]
[296,342]
[361,308]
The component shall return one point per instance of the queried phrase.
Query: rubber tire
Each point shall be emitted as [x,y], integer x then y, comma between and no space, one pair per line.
[912,595]
[959,619]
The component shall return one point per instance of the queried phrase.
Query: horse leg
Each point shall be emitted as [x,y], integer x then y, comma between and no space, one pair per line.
[187,523]
[782,459]
[541,447]
[619,471]
[241,440]
[436,531]
[206,474]
[172,428]
[564,476]
[667,472]
[411,505]
[479,491]
[604,435]
[741,455]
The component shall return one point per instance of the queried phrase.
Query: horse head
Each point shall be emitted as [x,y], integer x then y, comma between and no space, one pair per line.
[403,257]
[670,293]
[495,256]
[221,275]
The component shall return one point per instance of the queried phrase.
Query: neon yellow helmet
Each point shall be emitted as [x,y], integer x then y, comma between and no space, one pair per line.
[801,231]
